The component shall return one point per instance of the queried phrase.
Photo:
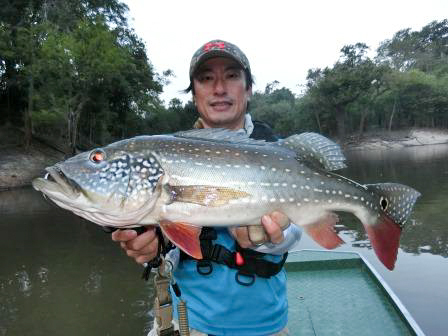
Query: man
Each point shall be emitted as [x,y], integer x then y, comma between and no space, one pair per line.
[222,300]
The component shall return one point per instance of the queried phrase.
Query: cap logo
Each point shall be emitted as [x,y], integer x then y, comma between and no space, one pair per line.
[212,45]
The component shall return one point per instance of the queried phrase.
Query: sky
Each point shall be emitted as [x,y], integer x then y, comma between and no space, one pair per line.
[282,39]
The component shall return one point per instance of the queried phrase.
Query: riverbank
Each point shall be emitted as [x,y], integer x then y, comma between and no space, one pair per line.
[384,140]
[19,167]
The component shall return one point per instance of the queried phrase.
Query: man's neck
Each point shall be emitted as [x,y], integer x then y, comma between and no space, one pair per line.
[232,126]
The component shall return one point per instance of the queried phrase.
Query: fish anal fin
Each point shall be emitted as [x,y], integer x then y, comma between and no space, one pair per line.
[385,239]
[322,231]
[205,195]
[183,235]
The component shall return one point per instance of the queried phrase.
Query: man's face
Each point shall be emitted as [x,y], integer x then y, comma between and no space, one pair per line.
[220,93]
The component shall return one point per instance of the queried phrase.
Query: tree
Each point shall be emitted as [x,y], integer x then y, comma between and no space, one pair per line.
[338,87]
[76,62]
[425,50]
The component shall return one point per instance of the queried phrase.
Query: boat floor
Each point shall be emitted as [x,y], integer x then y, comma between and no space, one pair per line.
[336,293]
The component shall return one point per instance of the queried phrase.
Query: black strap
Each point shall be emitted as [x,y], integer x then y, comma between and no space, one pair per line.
[250,263]
[162,250]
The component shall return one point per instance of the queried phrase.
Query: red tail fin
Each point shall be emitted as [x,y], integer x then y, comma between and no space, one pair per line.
[385,239]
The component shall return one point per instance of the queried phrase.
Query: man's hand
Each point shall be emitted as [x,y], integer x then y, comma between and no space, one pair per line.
[271,230]
[142,248]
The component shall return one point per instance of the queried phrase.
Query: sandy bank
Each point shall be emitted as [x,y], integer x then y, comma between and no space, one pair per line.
[396,139]
[18,167]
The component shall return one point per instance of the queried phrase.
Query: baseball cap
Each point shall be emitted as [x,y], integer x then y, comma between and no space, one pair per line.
[218,48]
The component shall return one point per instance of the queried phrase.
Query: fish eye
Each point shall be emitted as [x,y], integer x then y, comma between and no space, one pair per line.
[97,156]
[384,203]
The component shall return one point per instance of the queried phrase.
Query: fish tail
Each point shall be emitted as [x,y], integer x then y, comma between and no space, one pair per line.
[396,202]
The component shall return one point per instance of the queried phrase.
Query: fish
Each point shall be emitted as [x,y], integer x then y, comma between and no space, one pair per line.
[222,178]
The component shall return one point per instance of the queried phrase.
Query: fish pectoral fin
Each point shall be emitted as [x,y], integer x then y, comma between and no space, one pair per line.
[385,239]
[205,195]
[183,235]
[322,231]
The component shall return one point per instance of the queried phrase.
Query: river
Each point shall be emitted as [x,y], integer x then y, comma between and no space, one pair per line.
[60,274]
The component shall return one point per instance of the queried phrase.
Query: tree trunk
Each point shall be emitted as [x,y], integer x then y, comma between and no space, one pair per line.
[316,115]
[364,114]
[28,112]
[394,108]
[75,115]
[340,122]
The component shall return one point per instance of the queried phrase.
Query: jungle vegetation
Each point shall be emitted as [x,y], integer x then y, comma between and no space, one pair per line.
[73,72]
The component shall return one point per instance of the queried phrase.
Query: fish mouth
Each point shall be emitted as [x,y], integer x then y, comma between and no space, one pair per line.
[55,181]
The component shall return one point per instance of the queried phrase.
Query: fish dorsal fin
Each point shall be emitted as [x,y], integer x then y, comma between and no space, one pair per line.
[219,135]
[317,149]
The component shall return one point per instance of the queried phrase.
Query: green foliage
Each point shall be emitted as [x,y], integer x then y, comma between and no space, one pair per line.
[282,110]
[73,70]
[79,66]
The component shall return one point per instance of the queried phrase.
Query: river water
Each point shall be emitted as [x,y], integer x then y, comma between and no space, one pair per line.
[60,275]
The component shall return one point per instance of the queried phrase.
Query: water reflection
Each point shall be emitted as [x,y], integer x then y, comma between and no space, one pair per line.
[423,168]
[61,274]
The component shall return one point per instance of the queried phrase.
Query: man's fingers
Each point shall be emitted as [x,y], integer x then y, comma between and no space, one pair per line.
[281,219]
[241,235]
[257,235]
[142,240]
[143,259]
[123,235]
[273,229]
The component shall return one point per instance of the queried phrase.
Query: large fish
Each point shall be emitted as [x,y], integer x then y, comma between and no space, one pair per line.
[217,177]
